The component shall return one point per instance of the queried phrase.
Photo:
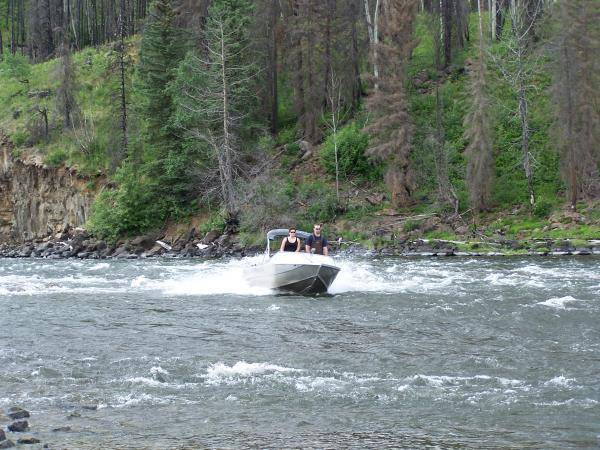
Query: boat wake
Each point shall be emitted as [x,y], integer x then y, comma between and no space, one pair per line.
[172,278]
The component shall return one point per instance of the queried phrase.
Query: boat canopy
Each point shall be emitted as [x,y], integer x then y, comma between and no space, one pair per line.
[281,232]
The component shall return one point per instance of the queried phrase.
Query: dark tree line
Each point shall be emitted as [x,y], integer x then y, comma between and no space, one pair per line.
[37,28]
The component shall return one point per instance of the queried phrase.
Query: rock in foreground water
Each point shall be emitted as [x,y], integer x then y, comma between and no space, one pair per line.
[19,426]
[18,413]
[28,440]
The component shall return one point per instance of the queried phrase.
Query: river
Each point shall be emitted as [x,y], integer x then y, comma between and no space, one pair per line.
[500,352]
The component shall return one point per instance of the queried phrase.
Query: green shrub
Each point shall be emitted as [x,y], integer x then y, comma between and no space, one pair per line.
[266,142]
[411,225]
[286,135]
[293,149]
[133,208]
[321,203]
[351,145]
[543,208]
[19,138]
[215,222]
[270,206]
[16,66]
[56,157]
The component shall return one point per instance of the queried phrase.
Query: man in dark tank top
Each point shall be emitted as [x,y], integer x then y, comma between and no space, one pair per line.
[317,243]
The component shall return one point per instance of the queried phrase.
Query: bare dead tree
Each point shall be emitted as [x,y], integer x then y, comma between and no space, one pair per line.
[518,68]
[373,30]
[216,96]
[334,97]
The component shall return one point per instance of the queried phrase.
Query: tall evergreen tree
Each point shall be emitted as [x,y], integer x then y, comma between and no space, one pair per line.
[161,50]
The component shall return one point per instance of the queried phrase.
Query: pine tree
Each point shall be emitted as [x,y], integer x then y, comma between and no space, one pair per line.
[161,159]
[160,52]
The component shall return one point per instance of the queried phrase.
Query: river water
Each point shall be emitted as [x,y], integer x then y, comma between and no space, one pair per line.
[457,352]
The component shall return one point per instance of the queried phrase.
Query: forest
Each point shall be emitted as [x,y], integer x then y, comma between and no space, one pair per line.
[268,113]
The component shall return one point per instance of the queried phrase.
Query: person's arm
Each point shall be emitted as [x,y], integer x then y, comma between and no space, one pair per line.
[282,245]
[308,244]
[298,246]
[325,247]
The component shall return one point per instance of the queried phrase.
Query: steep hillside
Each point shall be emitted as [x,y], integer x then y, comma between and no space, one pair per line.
[290,181]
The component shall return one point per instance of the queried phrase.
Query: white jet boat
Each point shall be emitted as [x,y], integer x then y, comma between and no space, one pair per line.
[297,272]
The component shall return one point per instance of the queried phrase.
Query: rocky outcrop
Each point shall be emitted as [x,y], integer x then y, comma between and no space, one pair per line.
[37,200]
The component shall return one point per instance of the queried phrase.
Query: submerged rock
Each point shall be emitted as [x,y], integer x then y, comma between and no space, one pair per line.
[7,444]
[2,435]
[19,426]
[61,429]
[28,440]
[18,413]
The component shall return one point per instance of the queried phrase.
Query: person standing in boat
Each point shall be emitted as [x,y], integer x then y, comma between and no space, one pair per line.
[316,242]
[291,243]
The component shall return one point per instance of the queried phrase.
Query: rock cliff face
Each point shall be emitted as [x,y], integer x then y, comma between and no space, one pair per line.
[36,200]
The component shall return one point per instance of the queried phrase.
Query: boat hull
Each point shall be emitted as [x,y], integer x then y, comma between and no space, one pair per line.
[299,273]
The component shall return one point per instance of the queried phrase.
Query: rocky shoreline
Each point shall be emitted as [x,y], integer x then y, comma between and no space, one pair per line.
[77,243]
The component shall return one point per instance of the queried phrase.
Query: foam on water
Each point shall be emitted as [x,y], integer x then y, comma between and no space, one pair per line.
[560,381]
[100,266]
[190,278]
[221,372]
[213,279]
[558,302]
[408,276]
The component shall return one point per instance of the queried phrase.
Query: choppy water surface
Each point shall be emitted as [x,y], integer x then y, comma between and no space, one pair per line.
[405,353]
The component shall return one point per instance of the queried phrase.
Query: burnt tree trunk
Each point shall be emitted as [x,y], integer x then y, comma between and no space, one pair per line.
[122,73]
[447,24]
[273,91]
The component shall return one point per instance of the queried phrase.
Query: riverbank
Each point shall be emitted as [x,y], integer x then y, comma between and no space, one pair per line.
[79,244]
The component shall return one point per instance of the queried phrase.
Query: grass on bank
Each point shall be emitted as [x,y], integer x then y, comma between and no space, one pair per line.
[27,89]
